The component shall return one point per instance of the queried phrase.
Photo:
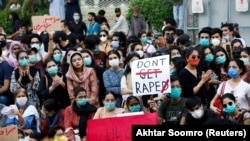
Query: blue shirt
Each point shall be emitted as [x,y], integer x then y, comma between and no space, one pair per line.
[112,80]
[5,72]
[93,28]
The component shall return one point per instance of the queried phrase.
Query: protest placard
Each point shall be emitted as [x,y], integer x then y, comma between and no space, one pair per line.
[49,23]
[151,76]
[9,133]
[111,129]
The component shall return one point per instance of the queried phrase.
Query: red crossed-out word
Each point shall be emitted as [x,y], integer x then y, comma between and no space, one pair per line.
[149,72]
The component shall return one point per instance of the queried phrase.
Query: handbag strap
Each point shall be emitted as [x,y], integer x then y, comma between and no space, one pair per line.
[223,88]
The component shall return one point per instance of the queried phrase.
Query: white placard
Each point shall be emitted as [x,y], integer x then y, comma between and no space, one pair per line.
[151,76]
[241,5]
[197,6]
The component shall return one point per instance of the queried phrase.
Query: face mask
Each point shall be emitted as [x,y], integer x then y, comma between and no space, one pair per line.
[68,62]
[233,73]
[197,114]
[144,40]
[230,109]
[109,105]
[204,42]
[87,61]
[172,72]
[246,61]
[215,42]
[114,63]
[115,44]
[76,18]
[209,58]
[221,60]
[4,53]
[53,70]
[57,57]
[103,39]
[2,44]
[226,38]
[21,140]
[82,102]
[175,93]
[136,108]
[37,46]
[21,101]
[121,61]
[194,62]
[23,62]
[140,53]
[170,39]
[33,58]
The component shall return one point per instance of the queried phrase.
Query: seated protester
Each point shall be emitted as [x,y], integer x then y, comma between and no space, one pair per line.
[133,104]
[233,112]
[2,116]
[197,113]
[27,116]
[14,48]
[173,110]
[59,134]
[53,85]
[109,109]
[27,77]
[77,114]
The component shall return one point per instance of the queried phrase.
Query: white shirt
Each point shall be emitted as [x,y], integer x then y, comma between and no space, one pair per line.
[121,25]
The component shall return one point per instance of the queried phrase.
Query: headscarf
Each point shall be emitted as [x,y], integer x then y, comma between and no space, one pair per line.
[12,61]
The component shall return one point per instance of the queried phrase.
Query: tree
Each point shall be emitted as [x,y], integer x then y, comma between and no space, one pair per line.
[154,10]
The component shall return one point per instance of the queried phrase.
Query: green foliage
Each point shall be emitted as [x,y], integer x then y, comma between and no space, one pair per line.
[154,10]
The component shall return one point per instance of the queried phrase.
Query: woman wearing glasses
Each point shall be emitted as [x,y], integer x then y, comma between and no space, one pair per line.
[235,85]
[233,112]
[105,44]
[26,77]
[192,79]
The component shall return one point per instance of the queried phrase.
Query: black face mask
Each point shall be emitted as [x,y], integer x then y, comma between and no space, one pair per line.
[236,53]
[2,44]
[170,39]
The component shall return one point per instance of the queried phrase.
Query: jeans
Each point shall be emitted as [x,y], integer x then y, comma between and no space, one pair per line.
[178,12]
[4,100]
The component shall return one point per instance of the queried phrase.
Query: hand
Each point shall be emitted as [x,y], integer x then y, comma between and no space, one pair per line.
[14,111]
[206,75]
[60,80]
[27,131]
[92,101]
[215,109]
[55,82]
[223,76]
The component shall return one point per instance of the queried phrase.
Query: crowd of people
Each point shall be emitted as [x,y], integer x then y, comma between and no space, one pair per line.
[51,84]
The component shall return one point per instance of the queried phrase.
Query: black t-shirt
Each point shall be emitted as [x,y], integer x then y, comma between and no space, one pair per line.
[79,28]
[72,38]
[208,114]
[68,46]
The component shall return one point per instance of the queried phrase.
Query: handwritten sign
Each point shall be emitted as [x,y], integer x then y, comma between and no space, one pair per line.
[8,133]
[49,23]
[111,129]
[151,76]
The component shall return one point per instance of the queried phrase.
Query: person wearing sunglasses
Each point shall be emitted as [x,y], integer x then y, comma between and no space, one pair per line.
[193,80]
[105,44]
[232,112]
[197,113]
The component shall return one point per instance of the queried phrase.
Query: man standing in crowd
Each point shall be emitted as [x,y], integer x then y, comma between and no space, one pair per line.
[121,24]
[137,22]
[93,27]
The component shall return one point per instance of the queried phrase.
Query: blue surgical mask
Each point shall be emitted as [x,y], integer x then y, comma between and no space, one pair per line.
[233,73]
[87,61]
[57,57]
[175,93]
[68,61]
[221,60]
[23,62]
[37,46]
[230,109]
[82,102]
[109,105]
[136,108]
[33,58]
[76,18]
[115,44]
[209,58]
[144,40]
[204,42]
[172,72]
[53,70]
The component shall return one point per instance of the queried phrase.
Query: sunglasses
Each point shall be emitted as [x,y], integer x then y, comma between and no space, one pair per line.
[195,56]
[102,35]
[229,103]
[26,57]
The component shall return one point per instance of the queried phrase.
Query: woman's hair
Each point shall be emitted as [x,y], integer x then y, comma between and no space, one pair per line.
[218,49]
[134,45]
[246,50]
[228,95]
[240,64]
[174,48]
[54,49]
[73,55]
[20,90]
[236,41]
[113,51]
[47,61]
[128,58]
[179,63]
[51,105]
[65,56]
[93,64]
[190,51]
[19,52]
[109,92]
[140,34]
[130,98]
[77,90]
[203,64]
[105,31]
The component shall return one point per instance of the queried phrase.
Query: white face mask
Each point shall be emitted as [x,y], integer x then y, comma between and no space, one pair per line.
[140,53]
[21,101]
[197,114]
[114,62]
[4,53]
[103,39]
[215,42]
[177,55]
[246,61]
[121,61]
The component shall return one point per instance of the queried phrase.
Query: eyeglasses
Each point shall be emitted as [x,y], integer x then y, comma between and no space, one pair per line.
[37,42]
[196,56]
[102,35]
[26,57]
[229,103]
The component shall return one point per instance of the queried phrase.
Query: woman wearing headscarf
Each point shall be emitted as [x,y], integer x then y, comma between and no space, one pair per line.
[15,47]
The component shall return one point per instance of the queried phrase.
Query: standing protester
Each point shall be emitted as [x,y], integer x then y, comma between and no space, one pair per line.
[137,22]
